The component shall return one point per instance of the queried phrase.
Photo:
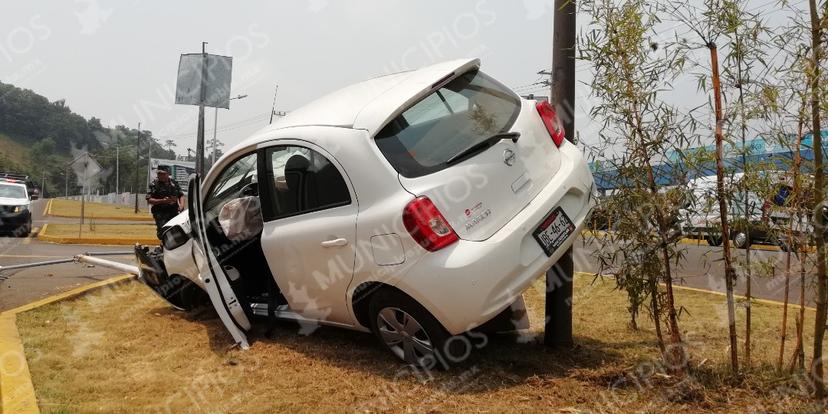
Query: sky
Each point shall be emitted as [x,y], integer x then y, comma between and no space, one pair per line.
[118,60]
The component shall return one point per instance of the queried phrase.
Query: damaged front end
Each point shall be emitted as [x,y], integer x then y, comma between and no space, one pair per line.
[177,290]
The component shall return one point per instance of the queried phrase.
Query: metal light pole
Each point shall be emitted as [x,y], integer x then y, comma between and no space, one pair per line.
[215,129]
[150,140]
[137,168]
[117,169]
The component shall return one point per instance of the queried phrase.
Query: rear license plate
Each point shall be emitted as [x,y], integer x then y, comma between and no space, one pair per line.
[553,231]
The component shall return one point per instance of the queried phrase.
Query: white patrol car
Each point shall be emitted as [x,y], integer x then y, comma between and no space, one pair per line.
[15,208]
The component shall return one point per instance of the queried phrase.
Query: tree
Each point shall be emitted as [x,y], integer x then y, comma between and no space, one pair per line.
[170,144]
[630,74]
[822,280]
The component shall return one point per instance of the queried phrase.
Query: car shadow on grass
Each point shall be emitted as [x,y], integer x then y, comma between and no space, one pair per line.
[505,361]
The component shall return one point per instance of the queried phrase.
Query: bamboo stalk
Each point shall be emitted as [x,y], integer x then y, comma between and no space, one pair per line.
[722,196]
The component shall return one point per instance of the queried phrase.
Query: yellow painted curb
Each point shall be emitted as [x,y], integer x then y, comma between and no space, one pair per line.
[713,292]
[126,218]
[700,242]
[48,208]
[16,390]
[69,294]
[115,241]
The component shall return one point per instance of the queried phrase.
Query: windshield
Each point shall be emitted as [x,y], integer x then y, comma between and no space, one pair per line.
[12,191]
[462,113]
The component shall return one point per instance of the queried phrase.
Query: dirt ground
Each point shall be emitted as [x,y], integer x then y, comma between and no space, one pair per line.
[121,349]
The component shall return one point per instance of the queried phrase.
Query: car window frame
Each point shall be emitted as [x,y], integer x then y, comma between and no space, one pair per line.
[229,164]
[266,191]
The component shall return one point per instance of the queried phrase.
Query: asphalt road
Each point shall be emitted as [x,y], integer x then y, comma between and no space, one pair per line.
[18,287]
[702,267]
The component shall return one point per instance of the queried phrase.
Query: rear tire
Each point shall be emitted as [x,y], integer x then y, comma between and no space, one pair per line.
[412,334]
[741,240]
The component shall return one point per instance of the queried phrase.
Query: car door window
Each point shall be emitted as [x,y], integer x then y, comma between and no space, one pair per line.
[235,181]
[302,180]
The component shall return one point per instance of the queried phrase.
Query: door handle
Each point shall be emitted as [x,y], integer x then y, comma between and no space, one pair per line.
[334,242]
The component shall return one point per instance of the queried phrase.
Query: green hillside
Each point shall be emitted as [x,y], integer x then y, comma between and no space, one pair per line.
[37,138]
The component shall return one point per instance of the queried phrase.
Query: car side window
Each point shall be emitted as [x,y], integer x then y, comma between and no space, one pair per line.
[301,180]
[237,180]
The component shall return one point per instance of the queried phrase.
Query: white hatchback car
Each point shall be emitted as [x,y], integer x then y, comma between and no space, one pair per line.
[417,206]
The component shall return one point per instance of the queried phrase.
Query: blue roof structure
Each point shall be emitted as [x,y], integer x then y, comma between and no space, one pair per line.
[675,172]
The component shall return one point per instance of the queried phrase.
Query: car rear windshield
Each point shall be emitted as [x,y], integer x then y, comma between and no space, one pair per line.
[12,191]
[463,112]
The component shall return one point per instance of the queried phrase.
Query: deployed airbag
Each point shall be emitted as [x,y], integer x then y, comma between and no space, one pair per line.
[241,218]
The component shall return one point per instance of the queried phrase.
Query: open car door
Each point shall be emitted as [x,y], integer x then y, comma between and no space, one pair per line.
[216,283]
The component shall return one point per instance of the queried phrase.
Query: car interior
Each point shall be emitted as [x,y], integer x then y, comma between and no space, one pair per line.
[305,182]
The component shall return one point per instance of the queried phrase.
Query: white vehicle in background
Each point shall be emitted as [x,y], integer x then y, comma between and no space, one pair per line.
[15,208]
[417,206]
[702,218]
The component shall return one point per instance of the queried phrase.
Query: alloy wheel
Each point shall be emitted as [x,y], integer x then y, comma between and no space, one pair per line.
[740,240]
[404,335]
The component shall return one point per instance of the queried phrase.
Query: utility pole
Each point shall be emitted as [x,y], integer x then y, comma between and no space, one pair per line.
[137,162]
[558,325]
[83,192]
[149,160]
[117,168]
[273,107]
[203,90]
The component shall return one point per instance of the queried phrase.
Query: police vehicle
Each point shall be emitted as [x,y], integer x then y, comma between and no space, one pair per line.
[15,207]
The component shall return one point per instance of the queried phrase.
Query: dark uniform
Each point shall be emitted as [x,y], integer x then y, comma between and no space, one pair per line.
[162,213]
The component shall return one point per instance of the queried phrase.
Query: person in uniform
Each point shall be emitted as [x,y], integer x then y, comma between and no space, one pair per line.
[166,199]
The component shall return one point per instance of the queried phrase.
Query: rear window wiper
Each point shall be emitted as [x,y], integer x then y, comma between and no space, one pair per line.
[482,145]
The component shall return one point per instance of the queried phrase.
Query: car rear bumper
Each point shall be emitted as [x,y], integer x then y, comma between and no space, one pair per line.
[478,279]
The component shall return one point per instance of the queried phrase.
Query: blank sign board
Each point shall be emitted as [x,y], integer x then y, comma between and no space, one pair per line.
[188,87]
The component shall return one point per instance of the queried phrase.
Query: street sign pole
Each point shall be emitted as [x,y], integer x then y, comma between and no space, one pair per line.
[203,90]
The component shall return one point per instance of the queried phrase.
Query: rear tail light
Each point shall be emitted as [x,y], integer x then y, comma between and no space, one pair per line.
[427,225]
[551,121]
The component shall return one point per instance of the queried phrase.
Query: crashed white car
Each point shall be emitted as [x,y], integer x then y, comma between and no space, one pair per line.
[417,206]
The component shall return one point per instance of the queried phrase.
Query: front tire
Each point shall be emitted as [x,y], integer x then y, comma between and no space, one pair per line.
[412,334]
[24,230]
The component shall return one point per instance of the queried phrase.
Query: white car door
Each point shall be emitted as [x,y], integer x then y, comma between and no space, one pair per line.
[216,283]
[310,213]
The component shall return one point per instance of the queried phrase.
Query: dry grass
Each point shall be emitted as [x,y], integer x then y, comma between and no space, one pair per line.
[122,348]
[103,231]
[72,208]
